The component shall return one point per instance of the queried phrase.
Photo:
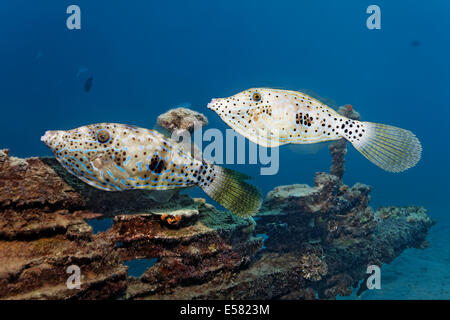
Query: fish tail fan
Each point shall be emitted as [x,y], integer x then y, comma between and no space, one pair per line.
[390,148]
[230,190]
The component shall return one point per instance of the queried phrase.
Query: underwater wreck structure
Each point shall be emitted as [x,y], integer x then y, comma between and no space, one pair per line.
[318,240]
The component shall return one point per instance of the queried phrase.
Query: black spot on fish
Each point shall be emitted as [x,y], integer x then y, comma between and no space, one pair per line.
[88,84]
[157,165]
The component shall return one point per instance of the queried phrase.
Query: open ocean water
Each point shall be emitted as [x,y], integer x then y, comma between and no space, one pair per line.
[145,57]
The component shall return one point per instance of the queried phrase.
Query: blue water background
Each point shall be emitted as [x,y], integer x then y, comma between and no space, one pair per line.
[148,56]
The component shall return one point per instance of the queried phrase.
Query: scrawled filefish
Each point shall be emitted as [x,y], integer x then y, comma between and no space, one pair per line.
[272,117]
[117,157]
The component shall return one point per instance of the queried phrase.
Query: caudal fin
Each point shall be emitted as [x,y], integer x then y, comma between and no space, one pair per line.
[230,190]
[391,148]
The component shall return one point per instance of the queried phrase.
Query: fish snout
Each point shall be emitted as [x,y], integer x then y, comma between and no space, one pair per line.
[212,104]
[48,137]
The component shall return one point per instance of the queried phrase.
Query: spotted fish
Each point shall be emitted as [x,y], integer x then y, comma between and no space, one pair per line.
[272,117]
[117,157]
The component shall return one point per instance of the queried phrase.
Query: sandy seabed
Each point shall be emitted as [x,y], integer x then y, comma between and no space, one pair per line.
[417,274]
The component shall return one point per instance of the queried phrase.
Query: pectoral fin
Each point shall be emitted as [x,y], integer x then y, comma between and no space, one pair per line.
[108,166]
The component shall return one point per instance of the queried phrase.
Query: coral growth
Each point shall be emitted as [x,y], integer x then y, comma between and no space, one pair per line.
[181,118]
[340,234]
[43,232]
[319,239]
[177,121]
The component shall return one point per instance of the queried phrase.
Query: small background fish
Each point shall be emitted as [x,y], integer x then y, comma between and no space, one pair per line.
[88,84]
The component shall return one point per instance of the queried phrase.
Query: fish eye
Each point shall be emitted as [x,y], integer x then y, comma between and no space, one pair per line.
[103,136]
[256,96]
